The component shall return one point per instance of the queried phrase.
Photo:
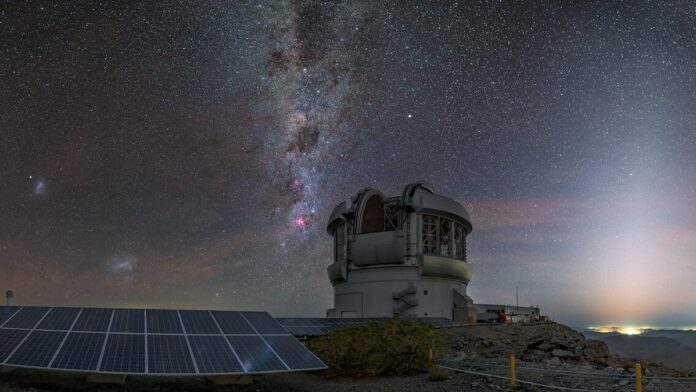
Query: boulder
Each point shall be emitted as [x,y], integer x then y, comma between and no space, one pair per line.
[555,361]
[562,353]
[596,352]
[534,355]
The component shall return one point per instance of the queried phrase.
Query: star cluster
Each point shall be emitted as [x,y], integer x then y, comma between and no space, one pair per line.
[188,155]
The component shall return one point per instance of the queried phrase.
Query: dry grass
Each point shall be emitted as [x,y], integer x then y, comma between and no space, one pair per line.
[394,347]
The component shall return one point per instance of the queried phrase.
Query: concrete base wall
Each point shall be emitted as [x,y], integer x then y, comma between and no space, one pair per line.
[370,292]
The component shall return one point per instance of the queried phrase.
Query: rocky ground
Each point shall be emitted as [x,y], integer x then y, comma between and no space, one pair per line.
[299,382]
[540,347]
[548,343]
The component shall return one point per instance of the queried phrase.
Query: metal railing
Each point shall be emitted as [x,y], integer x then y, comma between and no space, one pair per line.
[512,369]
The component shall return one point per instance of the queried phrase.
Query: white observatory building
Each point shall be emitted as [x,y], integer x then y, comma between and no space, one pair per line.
[403,255]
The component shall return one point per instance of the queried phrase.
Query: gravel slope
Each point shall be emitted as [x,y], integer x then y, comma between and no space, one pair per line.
[541,345]
[24,381]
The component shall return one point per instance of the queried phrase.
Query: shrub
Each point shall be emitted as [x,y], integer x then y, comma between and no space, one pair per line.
[393,347]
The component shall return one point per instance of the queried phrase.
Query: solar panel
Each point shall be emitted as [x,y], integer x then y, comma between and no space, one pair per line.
[37,349]
[214,355]
[310,331]
[163,321]
[128,320]
[169,354]
[255,354]
[232,323]
[26,318]
[322,326]
[59,319]
[198,322]
[80,351]
[318,326]
[263,323]
[9,340]
[6,312]
[156,342]
[93,320]
[293,353]
[124,353]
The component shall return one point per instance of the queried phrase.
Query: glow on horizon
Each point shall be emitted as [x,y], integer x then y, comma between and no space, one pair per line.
[624,330]
[635,238]
[635,330]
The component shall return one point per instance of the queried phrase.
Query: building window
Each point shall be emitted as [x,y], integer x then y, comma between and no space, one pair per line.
[392,218]
[430,224]
[443,237]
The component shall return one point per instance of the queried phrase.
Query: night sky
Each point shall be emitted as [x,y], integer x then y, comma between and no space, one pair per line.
[187,154]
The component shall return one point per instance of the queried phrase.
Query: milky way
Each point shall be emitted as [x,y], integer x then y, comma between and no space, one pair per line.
[188,155]
[309,70]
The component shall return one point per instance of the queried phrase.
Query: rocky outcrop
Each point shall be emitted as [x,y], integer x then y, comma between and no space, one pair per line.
[596,351]
[548,344]
[535,342]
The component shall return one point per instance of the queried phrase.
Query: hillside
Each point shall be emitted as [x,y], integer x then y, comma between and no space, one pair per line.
[547,346]
[666,350]
[687,338]
[535,342]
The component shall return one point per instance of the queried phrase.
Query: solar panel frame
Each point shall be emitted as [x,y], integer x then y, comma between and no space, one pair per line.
[232,323]
[319,326]
[128,321]
[94,320]
[163,321]
[66,336]
[79,350]
[60,319]
[263,323]
[250,349]
[198,322]
[111,341]
[146,348]
[188,344]
[10,339]
[288,349]
[7,312]
[169,354]
[28,317]
[37,349]
[306,326]
[210,352]
[113,359]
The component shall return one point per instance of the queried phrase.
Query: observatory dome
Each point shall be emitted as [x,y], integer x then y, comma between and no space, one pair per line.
[400,255]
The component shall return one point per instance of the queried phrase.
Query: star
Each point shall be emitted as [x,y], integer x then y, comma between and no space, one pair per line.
[177,150]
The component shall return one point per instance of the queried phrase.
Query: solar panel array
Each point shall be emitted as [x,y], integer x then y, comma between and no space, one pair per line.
[322,326]
[149,341]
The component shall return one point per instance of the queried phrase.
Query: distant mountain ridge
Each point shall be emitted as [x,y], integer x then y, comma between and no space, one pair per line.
[687,338]
[674,348]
